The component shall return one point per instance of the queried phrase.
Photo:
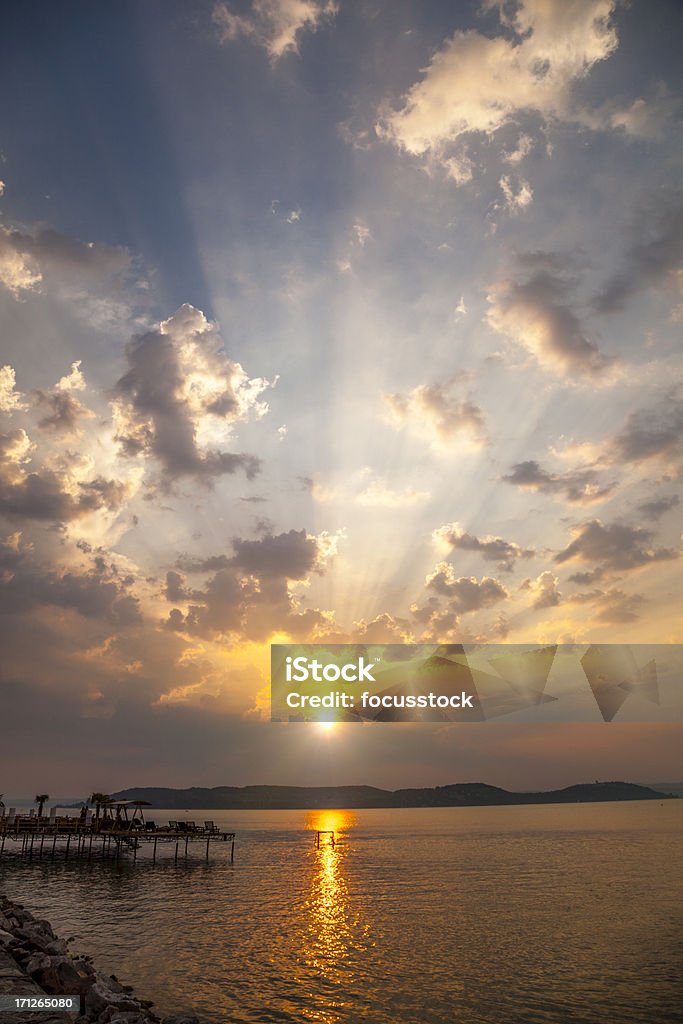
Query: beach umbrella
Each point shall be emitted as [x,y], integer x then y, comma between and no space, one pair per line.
[138,805]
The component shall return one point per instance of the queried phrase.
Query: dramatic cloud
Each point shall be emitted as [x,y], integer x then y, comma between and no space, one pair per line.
[578,486]
[249,592]
[47,495]
[26,584]
[180,394]
[536,315]
[274,24]
[613,546]
[436,413]
[492,549]
[479,84]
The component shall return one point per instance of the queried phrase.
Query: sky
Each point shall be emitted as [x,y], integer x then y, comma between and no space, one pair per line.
[337,322]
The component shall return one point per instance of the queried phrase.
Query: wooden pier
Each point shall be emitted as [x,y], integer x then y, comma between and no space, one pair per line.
[324,832]
[35,838]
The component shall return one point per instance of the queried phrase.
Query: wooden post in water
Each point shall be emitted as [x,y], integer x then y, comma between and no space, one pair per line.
[154,852]
[68,843]
[232,850]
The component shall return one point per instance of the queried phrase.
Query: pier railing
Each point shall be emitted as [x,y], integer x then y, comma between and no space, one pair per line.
[38,837]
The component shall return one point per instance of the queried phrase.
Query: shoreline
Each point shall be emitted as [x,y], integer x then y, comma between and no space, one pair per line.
[34,961]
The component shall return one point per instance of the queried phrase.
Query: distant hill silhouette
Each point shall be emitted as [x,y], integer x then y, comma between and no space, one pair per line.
[461,794]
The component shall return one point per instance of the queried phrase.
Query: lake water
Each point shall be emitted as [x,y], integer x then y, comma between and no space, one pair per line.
[556,913]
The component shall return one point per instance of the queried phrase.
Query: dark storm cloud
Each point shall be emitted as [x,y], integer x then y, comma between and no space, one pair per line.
[492,549]
[614,546]
[655,252]
[578,486]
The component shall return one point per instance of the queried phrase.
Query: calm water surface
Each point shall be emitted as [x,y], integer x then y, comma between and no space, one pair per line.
[489,915]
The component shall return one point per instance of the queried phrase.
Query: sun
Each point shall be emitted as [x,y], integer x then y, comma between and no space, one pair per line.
[326,726]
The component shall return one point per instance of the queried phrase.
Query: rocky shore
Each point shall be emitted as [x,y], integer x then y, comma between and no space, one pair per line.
[35,962]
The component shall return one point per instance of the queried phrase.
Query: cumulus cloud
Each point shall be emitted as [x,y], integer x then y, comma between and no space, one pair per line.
[544,590]
[249,593]
[479,84]
[578,486]
[11,400]
[45,494]
[277,25]
[536,314]
[18,273]
[180,394]
[464,593]
[492,549]
[292,555]
[383,629]
[438,413]
[95,593]
[613,546]
[62,411]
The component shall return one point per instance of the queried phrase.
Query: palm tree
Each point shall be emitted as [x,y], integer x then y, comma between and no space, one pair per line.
[100,800]
[40,800]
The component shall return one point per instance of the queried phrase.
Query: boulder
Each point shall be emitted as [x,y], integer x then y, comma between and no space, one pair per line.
[100,998]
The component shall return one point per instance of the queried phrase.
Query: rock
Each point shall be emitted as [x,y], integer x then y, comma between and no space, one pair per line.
[100,998]
[61,976]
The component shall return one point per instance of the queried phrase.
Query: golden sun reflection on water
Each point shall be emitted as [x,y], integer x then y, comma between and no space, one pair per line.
[336,934]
